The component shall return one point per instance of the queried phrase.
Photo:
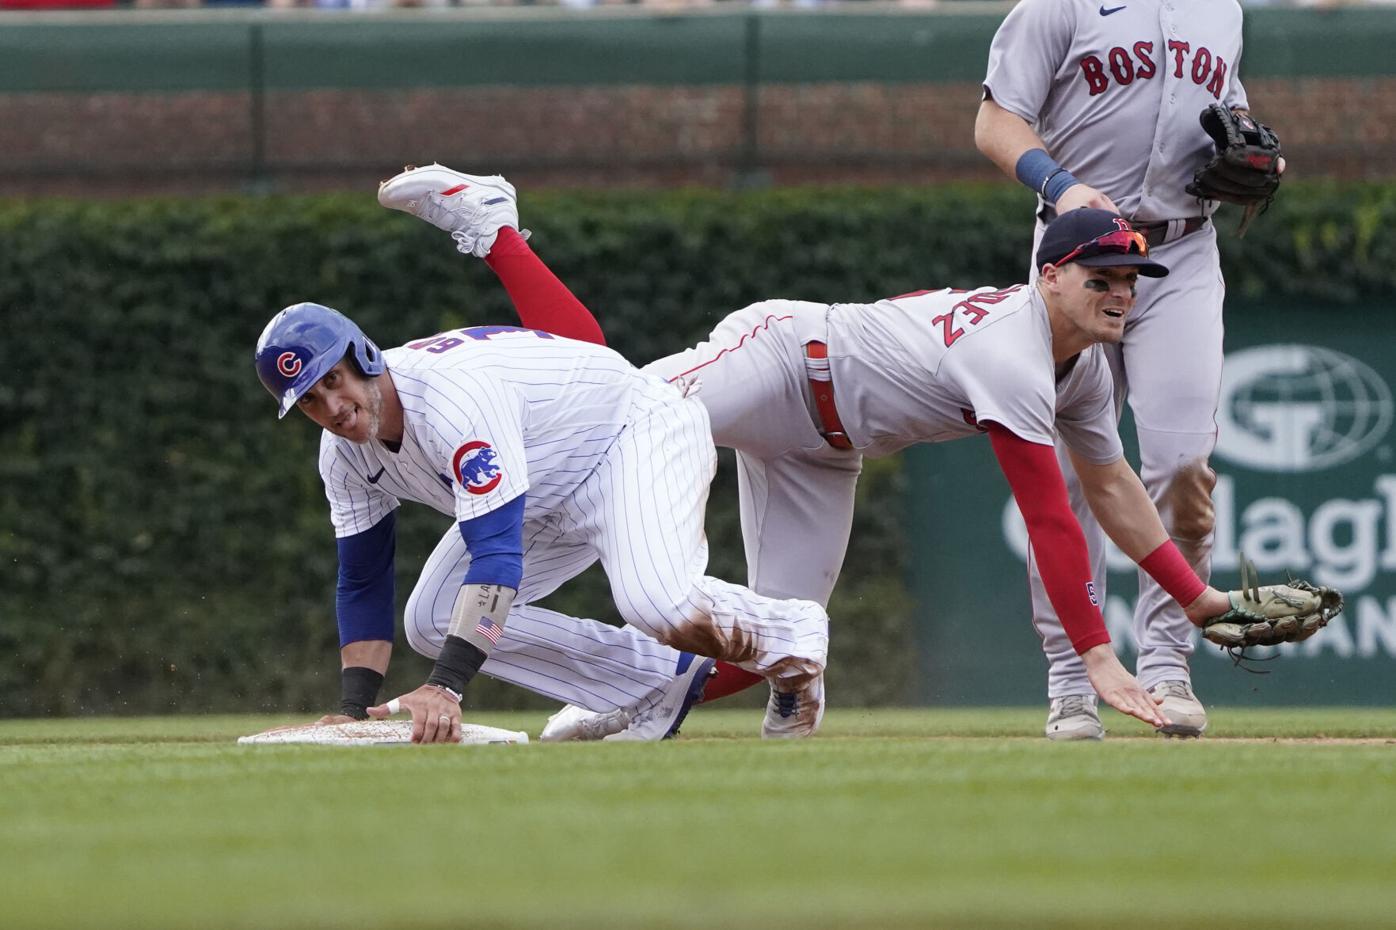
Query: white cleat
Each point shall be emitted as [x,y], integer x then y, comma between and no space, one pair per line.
[1074,717]
[1182,707]
[796,705]
[578,723]
[660,721]
[472,208]
[794,712]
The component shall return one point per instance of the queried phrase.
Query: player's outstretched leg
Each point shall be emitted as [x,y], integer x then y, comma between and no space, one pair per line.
[473,208]
[482,215]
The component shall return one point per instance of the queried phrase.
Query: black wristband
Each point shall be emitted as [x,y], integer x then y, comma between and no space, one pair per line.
[457,664]
[358,688]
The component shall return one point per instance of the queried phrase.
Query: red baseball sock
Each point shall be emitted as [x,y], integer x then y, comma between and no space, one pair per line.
[542,301]
[728,679]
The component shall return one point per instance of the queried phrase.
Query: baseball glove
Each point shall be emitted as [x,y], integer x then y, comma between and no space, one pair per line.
[1267,615]
[1246,166]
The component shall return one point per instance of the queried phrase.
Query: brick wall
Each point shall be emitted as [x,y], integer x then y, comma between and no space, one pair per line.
[139,143]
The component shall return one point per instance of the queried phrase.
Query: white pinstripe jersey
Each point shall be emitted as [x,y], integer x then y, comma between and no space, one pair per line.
[1114,90]
[933,365]
[488,413]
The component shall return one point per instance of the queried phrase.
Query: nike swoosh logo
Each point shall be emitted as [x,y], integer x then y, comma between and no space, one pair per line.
[373,479]
[1116,9]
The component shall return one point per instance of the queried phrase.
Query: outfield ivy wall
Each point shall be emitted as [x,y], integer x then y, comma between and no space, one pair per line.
[164,541]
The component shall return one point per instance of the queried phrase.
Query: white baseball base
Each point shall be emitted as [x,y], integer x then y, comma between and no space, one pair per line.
[374,733]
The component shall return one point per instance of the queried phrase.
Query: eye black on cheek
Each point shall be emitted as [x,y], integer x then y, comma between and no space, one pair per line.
[1096,284]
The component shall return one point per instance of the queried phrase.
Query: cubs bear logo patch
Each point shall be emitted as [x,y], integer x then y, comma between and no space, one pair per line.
[476,466]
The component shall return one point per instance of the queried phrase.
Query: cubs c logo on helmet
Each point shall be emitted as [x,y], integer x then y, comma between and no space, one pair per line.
[289,364]
[476,467]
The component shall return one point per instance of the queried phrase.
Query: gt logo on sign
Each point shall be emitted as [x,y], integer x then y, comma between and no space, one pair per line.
[476,467]
[288,364]
[1298,408]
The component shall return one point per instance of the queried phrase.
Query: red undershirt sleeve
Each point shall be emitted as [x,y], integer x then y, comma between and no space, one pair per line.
[1167,566]
[542,301]
[1058,543]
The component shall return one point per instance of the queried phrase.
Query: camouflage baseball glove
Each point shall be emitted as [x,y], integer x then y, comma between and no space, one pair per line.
[1246,166]
[1267,615]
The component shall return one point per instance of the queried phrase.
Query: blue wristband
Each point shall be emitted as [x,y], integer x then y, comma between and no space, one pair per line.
[1057,184]
[1039,172]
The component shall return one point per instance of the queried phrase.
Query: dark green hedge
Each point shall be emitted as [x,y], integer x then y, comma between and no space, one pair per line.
[163,538]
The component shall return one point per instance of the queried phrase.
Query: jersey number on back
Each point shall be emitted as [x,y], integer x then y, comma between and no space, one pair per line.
[970,312]
[444,342]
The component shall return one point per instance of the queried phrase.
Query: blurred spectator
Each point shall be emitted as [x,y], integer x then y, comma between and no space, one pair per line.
[54,4]
[573,4]
[357,4]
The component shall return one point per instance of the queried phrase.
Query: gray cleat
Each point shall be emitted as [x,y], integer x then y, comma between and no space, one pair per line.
[1182,707]
[1074,717]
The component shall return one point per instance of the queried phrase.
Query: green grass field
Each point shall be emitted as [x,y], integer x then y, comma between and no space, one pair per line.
[889,819]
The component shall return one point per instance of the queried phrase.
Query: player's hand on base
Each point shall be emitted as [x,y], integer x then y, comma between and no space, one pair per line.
[1083,195]
[1119,688]
[435,714]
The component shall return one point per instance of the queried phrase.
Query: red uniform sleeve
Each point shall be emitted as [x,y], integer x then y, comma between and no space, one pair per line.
[542,301]
[1057,541]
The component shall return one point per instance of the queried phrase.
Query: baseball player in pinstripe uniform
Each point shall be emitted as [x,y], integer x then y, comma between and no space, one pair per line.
[547,454]
[1022,364]
[1096,104]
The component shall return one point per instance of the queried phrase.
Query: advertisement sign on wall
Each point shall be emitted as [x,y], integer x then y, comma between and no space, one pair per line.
[1306,485]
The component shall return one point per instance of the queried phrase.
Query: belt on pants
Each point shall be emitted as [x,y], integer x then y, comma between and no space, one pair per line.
[1156,233]
[1170,230]
[821,385]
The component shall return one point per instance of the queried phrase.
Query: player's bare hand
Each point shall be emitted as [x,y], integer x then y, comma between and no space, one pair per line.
[1119,688]
[1210,603]
[435,714]
[1083,195]
[330,719]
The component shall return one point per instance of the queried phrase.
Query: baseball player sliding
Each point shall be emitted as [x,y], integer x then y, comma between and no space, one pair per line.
[804,390]
[547,454]
[1097,104]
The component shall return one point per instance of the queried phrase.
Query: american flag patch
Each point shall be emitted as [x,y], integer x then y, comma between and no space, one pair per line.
[490,630]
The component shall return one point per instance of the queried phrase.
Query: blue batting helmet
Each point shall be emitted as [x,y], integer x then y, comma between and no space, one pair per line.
[302,343]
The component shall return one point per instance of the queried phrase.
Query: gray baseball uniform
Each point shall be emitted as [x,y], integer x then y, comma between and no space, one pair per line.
[1114,91]
[919,368]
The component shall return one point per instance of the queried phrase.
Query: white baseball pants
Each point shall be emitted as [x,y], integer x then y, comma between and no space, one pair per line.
[641,513]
